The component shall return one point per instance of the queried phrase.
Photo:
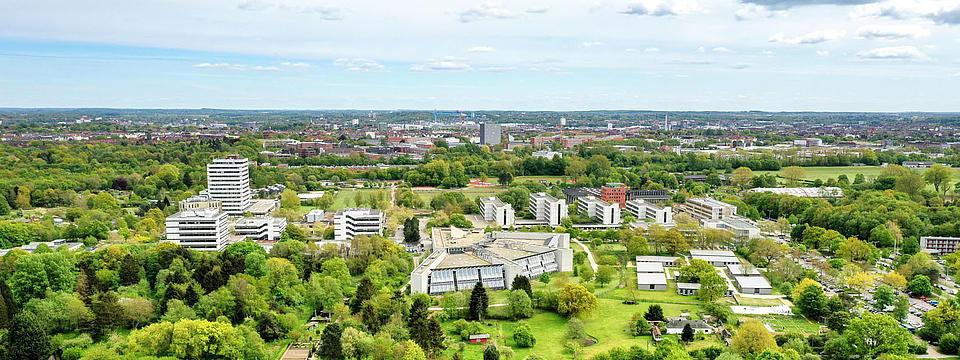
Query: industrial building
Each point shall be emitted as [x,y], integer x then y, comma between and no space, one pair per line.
[548,208]
[495,210]
[461,258]
[352,222]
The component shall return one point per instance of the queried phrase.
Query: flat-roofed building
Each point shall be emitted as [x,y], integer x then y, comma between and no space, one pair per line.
[204,229]
[652,281]
[718,258]
[314,216]
[260,228]
[228,180]
[495,210]
[709,209]
[548,208]
[741,229]
[353,222]
[690,289]
[200,202]
[743,270]
[667,261]
[461,258]
[53,245]
[753,285]
[614,192]
[599,210]
[645,210]
[939,244]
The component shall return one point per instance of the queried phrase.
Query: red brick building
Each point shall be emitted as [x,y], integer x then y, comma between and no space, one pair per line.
[614,192]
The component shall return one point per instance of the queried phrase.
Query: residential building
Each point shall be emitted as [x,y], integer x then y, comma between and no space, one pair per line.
[675,326]
[352,222]
[706,208]
[599,210]
[461,258]
[939,244]
[260,228]
[204,229]
[614,192]
[228,180]
[643,210]
[495,210]
[548,208]
[489,133]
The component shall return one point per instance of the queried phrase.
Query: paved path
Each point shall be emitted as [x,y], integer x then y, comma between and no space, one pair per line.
[593,263]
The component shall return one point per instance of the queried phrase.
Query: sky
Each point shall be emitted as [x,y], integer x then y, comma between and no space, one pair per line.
[773,55]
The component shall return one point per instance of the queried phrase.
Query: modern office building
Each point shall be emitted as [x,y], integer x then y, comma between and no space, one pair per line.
[204,229]
[495,210]
[939,244]
[200,202]
[461,258]
[548,208]
[352,222]
[709,209]
[228,180]
[489,133]
[614,192]
[741,229]
[599,210]
[260,227]
[644,210]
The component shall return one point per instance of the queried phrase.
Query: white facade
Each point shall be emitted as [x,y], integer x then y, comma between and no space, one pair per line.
[710,209]
[205,229]
[741,229]
[489,133]
[260,228]
[228,180]
[349,223]
[314,216]
[546,154]
[599,210]
[644,210]
[495,210]
[548,208]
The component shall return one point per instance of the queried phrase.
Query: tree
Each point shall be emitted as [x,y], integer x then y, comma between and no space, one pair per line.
[838,321]
[654,313]
[793,175]
[330,347]
[521,282]
[752,339]
[586,273]
[365,291]
[687,334]
[871,335]
[411,230]
[741,177]
[523,336]
[268,327]
[491,353]
[29,281]
[575,330]
[605,274]
[639,325]
[895,280]
[478,302]
[137,311]
[505,178]
[884,296]
[520,305]
[911,184]
[129,270]
[575,300]
[939,176]
[920,285]
[323,292]
[712,287]
[27,339]
[812,302]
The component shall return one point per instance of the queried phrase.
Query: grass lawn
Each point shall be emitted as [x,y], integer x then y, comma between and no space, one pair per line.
[538,178]
[832,172]
[469,192]
[794,323]
[747,301]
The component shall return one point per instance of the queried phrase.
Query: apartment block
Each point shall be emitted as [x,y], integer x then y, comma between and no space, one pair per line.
[709,209]
[939,244]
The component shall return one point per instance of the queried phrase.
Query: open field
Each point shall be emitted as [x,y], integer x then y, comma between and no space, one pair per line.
[344,199]
[469,192]
[787,323]
[832,172]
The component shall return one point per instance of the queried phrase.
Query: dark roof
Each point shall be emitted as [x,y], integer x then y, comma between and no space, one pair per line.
[696,324]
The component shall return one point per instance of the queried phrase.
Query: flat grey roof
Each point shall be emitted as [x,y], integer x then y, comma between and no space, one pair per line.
[726,259]
[740,269]
[753,282]
[651,279]
[696,252]
[660,259]
[649,267]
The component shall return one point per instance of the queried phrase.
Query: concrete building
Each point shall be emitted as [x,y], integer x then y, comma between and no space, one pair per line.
[666,261]
[614,192]
[228,180]
[53,245]
[741,229]
[489,133]
[495,210]
[918,164]
[643,210]
[260,228]
[205,229]
[718,258]
[753,285]
[461,258]
[599,210]
[710,209]
[743,270]
[548,208]
[939,244]
[200,202]
[812,192]
[314,216]
[352,222]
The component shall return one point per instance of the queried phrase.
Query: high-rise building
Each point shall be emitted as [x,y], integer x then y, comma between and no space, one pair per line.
[489,133]
[548,208]
[495,210]
[599,210]
[204,229]
[228,180]
[352,222]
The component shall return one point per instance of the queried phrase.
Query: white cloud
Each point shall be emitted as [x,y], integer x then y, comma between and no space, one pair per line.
[752,11]
[823,52]
[663,7]
[722,49]
[891,32]
[815,37]
[740,66]
[295,64]
[359,65]
[894,52]
[956,75]
[651,50]
[768,53]
[443,65]
[480,49]
[487,10]
[786,4]
[323,12]
[939,11]
[701,49]
[222,65]
[588,44]
[264,68]
[538,10]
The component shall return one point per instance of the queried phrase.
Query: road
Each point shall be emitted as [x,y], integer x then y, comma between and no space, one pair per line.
[593,263]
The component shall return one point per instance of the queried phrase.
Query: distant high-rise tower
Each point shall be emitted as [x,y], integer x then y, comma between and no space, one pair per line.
[489,133]
[228,180]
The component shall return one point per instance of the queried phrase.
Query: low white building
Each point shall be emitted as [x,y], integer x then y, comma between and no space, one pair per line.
[753,285]
[709,209]
[314,216]
[352,222]
[260,228]
[650,276]
[741,229]
[495,210]
[204,229]
[599,210]
[829,192]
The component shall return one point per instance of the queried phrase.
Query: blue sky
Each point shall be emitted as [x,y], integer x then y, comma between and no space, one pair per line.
[815,55]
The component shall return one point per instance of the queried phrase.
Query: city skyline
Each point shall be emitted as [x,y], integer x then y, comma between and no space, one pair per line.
[725,55]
